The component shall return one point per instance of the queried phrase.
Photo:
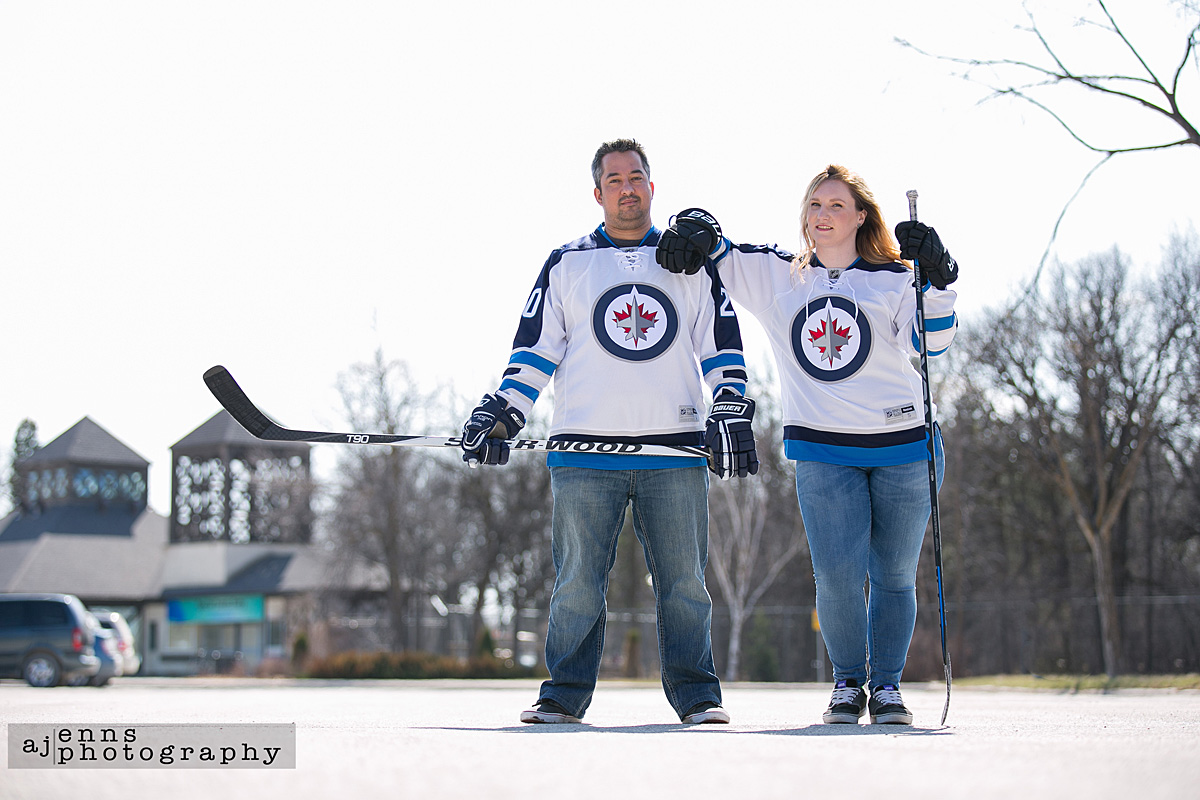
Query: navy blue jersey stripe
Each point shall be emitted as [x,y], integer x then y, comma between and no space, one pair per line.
[765,248]
[726,333]
[889,439]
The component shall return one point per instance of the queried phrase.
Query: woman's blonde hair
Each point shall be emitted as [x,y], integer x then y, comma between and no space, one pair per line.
[873,240]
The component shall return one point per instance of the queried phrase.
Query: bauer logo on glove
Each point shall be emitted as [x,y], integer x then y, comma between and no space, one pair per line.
[921,243]
[729,436]
[690,241]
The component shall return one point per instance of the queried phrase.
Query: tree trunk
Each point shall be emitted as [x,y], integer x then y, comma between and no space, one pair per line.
[737,621]
[1106,604]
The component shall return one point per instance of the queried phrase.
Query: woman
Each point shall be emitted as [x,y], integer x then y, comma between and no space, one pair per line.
[841,318]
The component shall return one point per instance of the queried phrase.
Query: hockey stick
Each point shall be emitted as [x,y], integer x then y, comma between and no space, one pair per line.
[259,425]
[933,489]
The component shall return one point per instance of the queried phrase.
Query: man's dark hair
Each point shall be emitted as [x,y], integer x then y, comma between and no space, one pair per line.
[617,146]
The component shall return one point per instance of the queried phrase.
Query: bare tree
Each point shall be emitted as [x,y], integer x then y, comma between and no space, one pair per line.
[503,515]
[25,444]
[392,505]
[1138,89]
[754,528]
[1092,364]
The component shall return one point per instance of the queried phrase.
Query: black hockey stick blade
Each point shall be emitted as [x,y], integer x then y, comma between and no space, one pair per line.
[230,395]
[245,413]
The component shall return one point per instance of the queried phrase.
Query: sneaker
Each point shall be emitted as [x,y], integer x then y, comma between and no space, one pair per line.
[548,712]
[849,702]
[887,708]
[706,712]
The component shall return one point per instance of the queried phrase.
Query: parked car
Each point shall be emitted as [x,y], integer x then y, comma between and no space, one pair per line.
[46,639]
[113,621]
[111,663]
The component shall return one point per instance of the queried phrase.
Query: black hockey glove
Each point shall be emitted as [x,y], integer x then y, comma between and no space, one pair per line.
[686,245]
[919,241]
[483,435]
[730,438]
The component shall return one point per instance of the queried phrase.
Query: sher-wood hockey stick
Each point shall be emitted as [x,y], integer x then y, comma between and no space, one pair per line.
[240,407]
[933,489]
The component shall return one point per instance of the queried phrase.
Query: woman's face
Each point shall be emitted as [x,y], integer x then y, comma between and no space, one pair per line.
[831,218]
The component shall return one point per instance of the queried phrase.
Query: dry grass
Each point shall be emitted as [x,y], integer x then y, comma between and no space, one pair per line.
[1081,683]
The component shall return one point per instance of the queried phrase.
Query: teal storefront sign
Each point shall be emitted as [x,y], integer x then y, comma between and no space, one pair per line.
[222,608]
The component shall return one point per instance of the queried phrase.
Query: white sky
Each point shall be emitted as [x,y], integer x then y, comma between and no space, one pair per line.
[283,187]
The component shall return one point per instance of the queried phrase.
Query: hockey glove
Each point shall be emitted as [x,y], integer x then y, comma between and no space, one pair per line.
[730,438]
[483,435]
[919,241]
[686,245]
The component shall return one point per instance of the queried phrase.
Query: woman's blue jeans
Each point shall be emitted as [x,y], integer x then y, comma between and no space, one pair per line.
[866,525]
[670,518]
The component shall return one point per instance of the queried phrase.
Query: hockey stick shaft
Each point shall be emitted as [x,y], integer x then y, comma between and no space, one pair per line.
[231,396]
[934,516]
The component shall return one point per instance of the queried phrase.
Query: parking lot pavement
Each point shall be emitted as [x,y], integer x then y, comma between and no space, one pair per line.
[461,739]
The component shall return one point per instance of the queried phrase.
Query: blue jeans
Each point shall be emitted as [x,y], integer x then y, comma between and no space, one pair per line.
[866,525]
[670,518]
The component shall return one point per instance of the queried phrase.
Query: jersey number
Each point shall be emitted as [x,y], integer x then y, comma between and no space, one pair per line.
[531,305]
[726,305]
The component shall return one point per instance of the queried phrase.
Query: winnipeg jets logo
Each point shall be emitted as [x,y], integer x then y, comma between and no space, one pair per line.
[831,338]
[635,321]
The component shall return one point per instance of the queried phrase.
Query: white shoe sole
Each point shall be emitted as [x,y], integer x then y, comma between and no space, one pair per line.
[840,719]
[713,715]
[894,718]
[545,718]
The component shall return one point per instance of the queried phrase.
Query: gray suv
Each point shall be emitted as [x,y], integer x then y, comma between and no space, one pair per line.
[46,639]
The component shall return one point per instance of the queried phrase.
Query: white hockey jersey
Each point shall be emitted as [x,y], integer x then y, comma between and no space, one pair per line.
[629,347]
[842,342]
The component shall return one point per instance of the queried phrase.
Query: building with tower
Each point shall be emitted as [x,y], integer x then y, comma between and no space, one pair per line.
[225,583]
[83,526]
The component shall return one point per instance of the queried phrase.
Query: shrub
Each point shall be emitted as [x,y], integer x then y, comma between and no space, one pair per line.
[413,664]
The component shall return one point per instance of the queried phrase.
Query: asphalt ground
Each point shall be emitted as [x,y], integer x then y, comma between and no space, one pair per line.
[462,739]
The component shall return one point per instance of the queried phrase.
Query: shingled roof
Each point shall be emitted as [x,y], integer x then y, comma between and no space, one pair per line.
[86,442]
[79,520]
[119,565]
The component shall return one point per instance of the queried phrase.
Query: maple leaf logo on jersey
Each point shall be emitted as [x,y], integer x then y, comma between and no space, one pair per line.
[635,323]
[829,339]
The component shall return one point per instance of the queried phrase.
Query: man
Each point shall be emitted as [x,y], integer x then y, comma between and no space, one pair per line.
[629,346]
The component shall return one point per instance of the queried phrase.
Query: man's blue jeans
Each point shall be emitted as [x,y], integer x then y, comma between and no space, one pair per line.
[866,524]
[670,518]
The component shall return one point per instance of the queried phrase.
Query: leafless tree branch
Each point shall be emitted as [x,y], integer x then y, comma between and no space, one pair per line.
[1108,85]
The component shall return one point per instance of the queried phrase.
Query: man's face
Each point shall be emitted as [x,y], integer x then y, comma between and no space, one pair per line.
[625,193]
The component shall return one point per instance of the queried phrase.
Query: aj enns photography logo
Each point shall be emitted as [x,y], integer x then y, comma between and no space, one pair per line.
[151,746]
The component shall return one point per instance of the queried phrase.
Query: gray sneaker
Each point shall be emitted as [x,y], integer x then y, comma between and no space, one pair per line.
[548,712]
